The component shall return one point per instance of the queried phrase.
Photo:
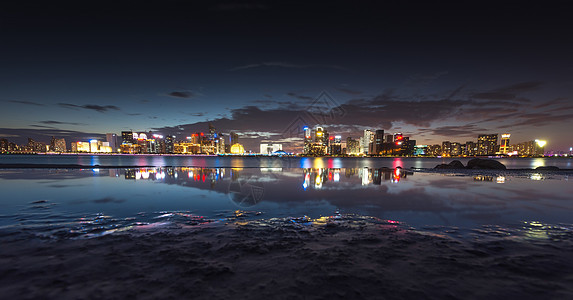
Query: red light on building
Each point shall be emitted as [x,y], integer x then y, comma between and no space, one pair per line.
[331,138]
[202,134]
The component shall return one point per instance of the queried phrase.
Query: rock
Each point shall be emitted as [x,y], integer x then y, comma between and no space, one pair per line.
[490,164]
[456,164]
[547,168]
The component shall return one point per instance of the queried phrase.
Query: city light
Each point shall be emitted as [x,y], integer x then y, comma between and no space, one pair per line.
[541,143]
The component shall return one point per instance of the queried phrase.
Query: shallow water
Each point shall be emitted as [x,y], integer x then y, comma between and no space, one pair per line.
[268,161]
[86,201]
[321,228]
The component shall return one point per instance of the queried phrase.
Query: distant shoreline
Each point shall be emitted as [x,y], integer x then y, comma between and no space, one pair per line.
[77,166]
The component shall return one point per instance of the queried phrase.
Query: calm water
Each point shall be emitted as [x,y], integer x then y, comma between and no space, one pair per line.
[52,201]
[257,162]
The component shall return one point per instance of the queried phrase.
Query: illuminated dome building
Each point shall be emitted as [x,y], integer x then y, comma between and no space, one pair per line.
[237,149]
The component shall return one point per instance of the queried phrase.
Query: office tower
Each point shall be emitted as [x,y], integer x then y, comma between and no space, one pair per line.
[378,140]
[504,144]
[366,140]
[352,146]
[446,148]
[3,145]
[127,137]
[233,138]
[307,140]
[455,149]
[389,138]
[111,138]
[335,145]
[169,144]
[487,144]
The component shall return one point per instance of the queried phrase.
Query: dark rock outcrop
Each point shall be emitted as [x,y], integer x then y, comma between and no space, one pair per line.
[547,168]
[456,164]
[490,164]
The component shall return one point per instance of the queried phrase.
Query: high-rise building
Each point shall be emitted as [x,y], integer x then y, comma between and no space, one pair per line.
[487,144]
[504,144]
[335,145]
[169,144]
[307,140]
[455,149]
[470,149]
[111,138]
[352,146]
[57,145]
[378,140]
[233,138]
[317,143]
[3,145]
[127,137]
[446,148]
[366,140]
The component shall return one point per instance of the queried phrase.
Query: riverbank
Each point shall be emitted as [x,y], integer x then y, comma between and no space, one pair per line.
[358,258]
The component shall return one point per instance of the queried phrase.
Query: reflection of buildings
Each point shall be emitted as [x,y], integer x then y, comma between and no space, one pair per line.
[176,174]
[376,176]
[318,178]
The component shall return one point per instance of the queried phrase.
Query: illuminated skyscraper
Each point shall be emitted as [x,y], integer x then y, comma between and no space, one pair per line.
[127,137]
[378,140]
[365,141]
[233,138]
[111,138]
[504,145]
[487,144]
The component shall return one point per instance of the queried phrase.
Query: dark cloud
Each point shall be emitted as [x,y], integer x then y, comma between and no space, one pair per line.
[552,103]
[197,114]
[301,97]
[26,102]
[509,93]
[44,133]
[98,108]
[468,130]
[181,94]
[42,126]
[541,119]
[50,122]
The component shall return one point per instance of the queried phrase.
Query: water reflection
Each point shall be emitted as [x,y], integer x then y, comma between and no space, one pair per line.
[426,198]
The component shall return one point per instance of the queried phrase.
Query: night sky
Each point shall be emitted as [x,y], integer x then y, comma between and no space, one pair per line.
[433,71]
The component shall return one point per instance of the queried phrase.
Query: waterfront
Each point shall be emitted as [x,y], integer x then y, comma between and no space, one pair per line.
[228,226]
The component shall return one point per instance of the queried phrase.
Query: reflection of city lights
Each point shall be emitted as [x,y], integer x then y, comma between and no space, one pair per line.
[190,174]
[137,175]
[536,176]
[336,177]
[500,179]
[396,177]
[144,175]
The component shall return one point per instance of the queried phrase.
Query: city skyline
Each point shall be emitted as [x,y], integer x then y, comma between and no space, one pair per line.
[435,71]
[317,141]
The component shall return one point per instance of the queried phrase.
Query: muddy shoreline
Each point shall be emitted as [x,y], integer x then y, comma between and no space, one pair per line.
[243,260]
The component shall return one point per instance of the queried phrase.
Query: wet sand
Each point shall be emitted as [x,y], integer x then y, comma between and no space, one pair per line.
[286,259]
